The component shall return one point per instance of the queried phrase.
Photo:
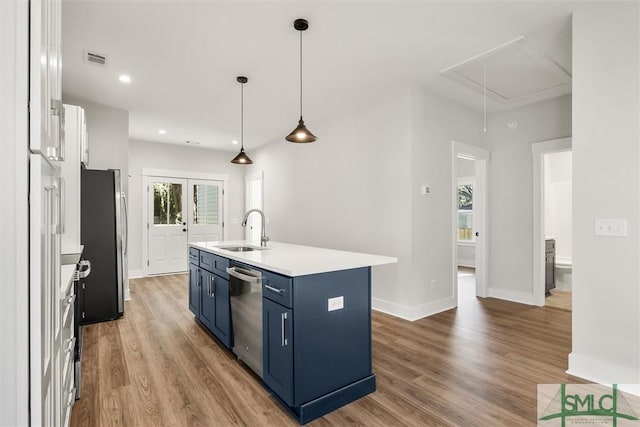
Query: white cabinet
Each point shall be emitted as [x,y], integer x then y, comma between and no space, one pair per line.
[65,318]
[75,149]
[44,272]
[46,112]
[46,144]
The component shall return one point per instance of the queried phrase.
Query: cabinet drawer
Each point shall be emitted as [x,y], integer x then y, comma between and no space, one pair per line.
[214,263]
[277,288]
[194,256]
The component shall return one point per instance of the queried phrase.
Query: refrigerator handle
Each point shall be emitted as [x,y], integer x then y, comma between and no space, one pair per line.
[125,225]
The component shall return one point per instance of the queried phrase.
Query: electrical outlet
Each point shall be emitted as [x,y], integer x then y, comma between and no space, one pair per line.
[336,303]
[425,189]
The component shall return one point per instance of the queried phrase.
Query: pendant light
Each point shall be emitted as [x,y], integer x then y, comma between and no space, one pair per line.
[242,158]
[301,134]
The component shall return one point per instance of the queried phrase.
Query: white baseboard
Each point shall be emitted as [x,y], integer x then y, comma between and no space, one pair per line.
[414,312]
[513,296]
[601,371]
[136,274]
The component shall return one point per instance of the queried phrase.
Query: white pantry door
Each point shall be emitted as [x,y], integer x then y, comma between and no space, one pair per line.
[167,223]
[205,217]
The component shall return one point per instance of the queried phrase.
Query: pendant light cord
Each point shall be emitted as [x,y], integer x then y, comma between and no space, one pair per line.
[300,74]
[242,116]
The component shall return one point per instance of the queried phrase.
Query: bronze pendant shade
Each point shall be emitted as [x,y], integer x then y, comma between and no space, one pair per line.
[301,134]
[242,158]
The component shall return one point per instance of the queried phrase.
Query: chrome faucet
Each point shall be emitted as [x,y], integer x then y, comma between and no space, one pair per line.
[264,239]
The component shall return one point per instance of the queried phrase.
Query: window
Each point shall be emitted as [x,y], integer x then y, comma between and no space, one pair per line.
[206,204]
[465,212]
[167,203]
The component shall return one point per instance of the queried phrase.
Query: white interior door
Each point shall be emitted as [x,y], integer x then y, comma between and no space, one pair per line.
[167,223]
[205,216]
[253,200]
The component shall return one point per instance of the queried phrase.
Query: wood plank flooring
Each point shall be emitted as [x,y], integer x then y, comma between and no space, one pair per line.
[477,365]
[559,299]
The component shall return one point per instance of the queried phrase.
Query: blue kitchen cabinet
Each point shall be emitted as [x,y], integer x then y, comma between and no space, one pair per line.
[207,299]
[277,352]
[209,294]
[194,288]
[221,326]
[317,340]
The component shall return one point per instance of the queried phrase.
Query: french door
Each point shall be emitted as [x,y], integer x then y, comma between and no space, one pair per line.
[180,211]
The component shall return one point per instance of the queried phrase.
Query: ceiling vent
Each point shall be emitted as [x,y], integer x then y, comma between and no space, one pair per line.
[516,71]
[95,58]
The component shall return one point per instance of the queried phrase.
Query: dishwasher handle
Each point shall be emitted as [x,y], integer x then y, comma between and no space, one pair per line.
[240,273]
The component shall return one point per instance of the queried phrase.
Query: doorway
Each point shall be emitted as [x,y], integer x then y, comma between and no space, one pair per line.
[552,164]
[469,213]
[180,210]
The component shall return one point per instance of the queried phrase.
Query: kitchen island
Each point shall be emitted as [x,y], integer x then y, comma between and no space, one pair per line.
[298,316]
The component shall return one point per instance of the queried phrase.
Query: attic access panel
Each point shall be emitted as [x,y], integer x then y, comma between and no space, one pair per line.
[516,71]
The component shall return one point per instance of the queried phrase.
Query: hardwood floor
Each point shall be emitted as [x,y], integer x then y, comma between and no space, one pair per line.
[559,299]
[477,365]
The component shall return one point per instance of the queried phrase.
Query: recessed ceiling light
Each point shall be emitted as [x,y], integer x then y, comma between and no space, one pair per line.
[162,131]
[124,78]
[234,142]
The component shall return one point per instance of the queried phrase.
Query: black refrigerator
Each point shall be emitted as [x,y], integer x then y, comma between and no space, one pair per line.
[103,234]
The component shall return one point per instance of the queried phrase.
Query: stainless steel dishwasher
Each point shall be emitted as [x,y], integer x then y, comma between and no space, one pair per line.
[245,290]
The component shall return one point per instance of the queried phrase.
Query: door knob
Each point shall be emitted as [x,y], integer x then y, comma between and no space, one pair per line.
[184,229]
[477,234]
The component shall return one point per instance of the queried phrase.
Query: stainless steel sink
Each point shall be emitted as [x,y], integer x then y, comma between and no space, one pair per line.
[241,248]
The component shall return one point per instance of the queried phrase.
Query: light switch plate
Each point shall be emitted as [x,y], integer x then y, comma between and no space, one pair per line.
[612,227]
[336,303]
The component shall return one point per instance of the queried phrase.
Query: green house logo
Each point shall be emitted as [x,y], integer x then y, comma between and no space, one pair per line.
[589,407]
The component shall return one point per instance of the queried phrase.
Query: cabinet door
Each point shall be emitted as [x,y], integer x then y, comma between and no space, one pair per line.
[194,289]
[222,312]
[207,301]
[277,352]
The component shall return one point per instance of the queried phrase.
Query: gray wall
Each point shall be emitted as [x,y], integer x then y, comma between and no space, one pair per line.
[606,178]
[358,188]
[510,191]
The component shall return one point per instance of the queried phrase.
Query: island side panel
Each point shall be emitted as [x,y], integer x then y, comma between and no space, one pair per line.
[332,348]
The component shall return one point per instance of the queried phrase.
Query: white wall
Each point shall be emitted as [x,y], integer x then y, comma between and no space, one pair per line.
[606,178]
[358,188]
[350,190]
[437,122]
[557,202]
[14,232]
[467,250]
[510,192]
[150,155]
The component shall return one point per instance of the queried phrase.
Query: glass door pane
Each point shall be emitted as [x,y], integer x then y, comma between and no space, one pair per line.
[167,203]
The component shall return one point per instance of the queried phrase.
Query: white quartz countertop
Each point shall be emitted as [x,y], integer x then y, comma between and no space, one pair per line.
[294,260]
